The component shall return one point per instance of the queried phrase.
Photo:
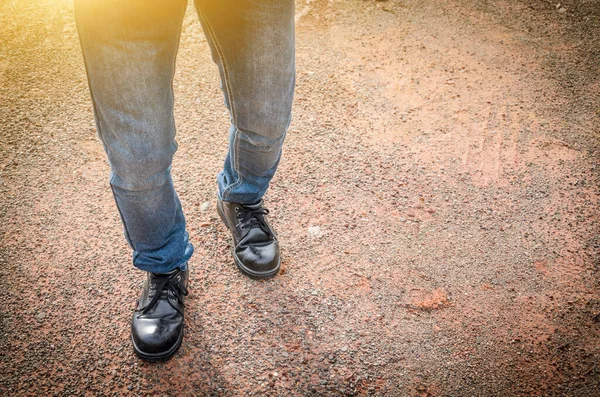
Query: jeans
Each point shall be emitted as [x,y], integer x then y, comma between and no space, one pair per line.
[129,48]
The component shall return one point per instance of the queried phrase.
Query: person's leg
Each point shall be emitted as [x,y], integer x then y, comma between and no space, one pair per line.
[129,48]
[252,43]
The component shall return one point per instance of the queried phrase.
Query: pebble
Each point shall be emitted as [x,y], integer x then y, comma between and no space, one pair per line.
[205,206]
[315,231]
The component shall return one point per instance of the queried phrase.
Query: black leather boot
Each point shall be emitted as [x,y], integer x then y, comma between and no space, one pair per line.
[157,325]
[255,246]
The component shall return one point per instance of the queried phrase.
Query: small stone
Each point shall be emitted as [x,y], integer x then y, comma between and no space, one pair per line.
[40,315]
[205,206]
[315,231]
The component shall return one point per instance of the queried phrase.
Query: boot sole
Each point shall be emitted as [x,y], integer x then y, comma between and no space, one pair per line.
[247,272]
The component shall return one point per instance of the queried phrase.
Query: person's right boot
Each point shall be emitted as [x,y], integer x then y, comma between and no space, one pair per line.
[157,325]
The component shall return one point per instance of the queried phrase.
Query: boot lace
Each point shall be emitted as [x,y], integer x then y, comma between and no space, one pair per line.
[252,217]
[160,286]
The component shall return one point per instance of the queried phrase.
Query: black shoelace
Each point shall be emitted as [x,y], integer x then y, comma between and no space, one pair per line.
[160,290]
[250,217]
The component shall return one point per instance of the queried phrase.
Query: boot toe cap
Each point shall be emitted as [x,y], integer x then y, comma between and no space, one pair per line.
[259,258]
[155,337]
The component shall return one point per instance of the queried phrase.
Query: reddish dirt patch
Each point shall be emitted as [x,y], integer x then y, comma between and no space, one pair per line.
[428,301]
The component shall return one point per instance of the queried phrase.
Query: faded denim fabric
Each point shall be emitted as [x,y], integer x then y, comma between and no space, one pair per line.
[129,48]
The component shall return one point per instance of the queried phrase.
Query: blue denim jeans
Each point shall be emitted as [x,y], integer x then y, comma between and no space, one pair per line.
[129,48]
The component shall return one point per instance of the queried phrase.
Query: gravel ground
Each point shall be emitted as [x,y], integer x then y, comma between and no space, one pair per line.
[437,204]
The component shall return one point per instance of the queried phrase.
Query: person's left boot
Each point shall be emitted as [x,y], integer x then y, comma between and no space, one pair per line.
[255,246]
[157,325]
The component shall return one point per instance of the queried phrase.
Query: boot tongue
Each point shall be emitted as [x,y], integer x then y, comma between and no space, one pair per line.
[253,206]
[171,273]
